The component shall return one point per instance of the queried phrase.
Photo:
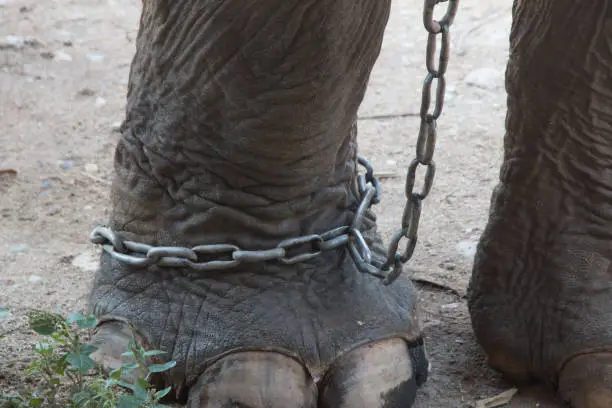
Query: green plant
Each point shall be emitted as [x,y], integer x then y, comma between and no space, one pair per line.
[66,375]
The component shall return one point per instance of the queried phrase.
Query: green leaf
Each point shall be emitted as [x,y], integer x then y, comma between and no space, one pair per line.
[80,398]
[162,393]
[129,366]
[129,354]
[74,317]
[45,323]
[81,362]
[158,368]
[88,322]
[88,349]
[141,388]
[130,401]
[115,374]
[36,402]
[153,353]
[125,384]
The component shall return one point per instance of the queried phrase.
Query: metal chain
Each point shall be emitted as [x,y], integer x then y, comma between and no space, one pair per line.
[295,250]
[426,141]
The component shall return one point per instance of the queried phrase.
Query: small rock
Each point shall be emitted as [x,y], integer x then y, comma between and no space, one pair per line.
[91,168]
[66,164]
[18,248]
[53,210]
[450,306]
[46,184]
[61,56]
[391,162]
[48,55]
[87,261]
[68,44]
[14,42]
[88,207]
[86,92]
[34,278]
[467,248]
[100,101]
[360,323]
[95,57]
[116,127]
[485,78]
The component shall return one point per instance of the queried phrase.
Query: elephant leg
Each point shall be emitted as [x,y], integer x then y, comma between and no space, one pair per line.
[383,374]
[254,379]
[240,146]
[540,296]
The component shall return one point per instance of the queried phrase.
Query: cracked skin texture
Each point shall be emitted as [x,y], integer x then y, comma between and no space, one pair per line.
[230,137]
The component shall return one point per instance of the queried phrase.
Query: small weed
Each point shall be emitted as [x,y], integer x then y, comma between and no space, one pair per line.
[66,376]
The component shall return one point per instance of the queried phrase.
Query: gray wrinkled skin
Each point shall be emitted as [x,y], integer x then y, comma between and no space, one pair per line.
[240,128]
[541,289]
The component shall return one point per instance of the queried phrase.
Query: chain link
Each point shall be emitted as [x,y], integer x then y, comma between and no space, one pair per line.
[426,141]
[301,249]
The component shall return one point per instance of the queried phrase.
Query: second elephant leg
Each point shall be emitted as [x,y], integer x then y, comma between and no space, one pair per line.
[541,288]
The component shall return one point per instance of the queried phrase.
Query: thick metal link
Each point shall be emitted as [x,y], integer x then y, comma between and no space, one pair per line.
[426,141]
[301,249]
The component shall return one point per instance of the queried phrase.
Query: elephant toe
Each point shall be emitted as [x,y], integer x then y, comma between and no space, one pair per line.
[254,379]
[384,374]
[585,381]
[111,340]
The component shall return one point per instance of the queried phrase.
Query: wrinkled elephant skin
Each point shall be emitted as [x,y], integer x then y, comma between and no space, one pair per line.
[541,288]
[240,128]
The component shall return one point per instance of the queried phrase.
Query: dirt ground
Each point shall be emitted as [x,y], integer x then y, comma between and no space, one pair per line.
[63,77]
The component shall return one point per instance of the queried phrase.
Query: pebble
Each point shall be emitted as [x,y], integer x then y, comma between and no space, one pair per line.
[450,306]
[66,164]
[91,168]
[86,92]
[18,248]
[46,184]
[15,42]
[87,261]
[95,57]
[61,56]
[467,248]
[485,78]
[116,127]
[34,278]
[100,101]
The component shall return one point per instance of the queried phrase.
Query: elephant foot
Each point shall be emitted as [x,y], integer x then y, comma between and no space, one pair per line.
[540,303]
[585,381]
[385,373]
